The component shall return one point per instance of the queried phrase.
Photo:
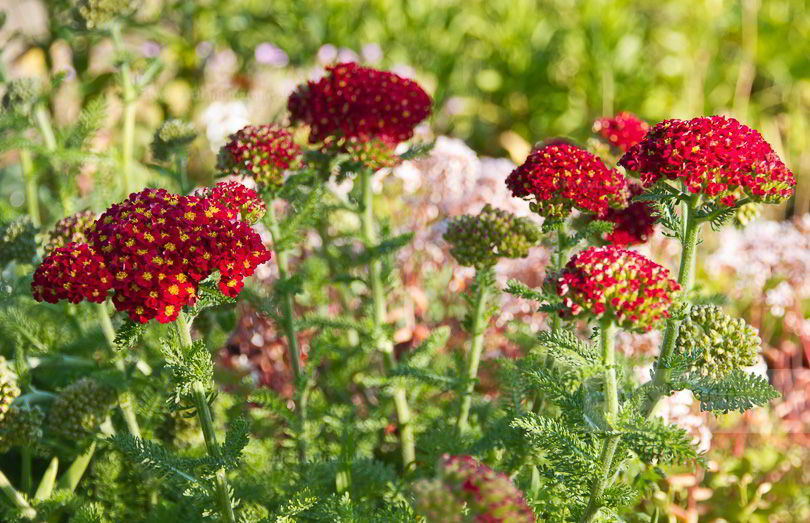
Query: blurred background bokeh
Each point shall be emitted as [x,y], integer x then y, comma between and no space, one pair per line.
[504,75]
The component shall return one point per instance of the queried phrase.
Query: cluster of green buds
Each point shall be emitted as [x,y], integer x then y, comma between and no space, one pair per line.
[80,408]
[18,241]
[467,491]
[22,94]
[21,427]
[747,213]
[97,13]
[724,343]
[8,388]
[172,137]
[71,229]
[479,241]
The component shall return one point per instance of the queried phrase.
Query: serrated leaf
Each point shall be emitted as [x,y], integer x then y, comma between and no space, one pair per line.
[127,334]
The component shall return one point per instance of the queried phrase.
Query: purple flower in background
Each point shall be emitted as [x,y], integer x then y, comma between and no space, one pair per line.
[268,54]
[327,54]
[204,49]
[347,55]
[150,49]
[372,53]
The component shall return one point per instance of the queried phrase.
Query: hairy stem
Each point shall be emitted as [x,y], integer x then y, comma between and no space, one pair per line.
[129,99]
[48,480]
[207,424]
[31,189]
[474,357]
[384,345]
[288,322]
[125,400]
[17,499]
[686,278]
[181,166]
[70,479]
[559,263]
[611,411]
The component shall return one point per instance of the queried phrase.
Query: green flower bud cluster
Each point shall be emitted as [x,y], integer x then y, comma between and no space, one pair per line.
[726,343]
[96,13]
[22,95]
[481,240]
[467,491]
[69,229]
[80,409]
[18,241]
[747,213]
[171,137]
[8,388]
[22,427]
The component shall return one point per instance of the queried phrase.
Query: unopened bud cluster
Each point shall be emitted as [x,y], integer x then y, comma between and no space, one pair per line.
[480,240]
[21,95]
[747,213]
[172,136]
[96,13]
[17,241]
[8,388]
[22,427]
[80,409]
[261,152]
[725,343]
[69,230]
[467,491]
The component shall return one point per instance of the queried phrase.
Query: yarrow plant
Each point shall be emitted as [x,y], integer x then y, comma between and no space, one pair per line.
[261,152]
[622,131]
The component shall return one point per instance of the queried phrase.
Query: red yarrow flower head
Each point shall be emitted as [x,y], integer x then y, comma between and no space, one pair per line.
[560,177]
[155,247]
[463,482]
[354,105]
[75,272]
[236,201]
[622,131]
[634,224]
[261,152]
[621,285]
[715,156]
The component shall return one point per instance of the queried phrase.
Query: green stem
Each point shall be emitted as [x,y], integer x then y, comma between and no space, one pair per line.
[31,190]
[70,479]
[474,356]
[611,411]
[129,99]
[125,400]
[385,346]
[686,279]
[559,263]
[17,499]
[288,323]
[48,480]
[181,166]
[25,459]
[207,424]
[43,120]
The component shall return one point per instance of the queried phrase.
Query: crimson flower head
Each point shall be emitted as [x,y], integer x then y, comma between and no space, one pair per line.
[622,131]
[623,285]
[559,177]
[463,482]
[354,106]
[153,249]
[261,152]
[715,156]
[632,225]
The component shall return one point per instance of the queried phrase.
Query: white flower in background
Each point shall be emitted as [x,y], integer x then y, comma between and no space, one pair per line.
[327,54]
[780,298]
[221,119]
[269,54]
[372,53]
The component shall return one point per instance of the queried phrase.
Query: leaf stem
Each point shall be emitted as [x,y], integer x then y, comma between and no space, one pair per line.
[384,345]
[288,324]
[477,330]
[207,424]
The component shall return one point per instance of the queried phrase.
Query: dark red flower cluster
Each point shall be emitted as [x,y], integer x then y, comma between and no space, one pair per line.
[74,272]
[261,152]
[464,484]
[622,131]
[716,156]
[156,247]
[233,196]
[634,224]
[559,177]
[627,287]
[359,102]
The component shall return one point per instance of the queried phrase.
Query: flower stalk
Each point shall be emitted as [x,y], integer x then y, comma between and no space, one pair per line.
[288,321]
[206,422]
[477,329]
[31,189]
[129,98]
[384,345]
